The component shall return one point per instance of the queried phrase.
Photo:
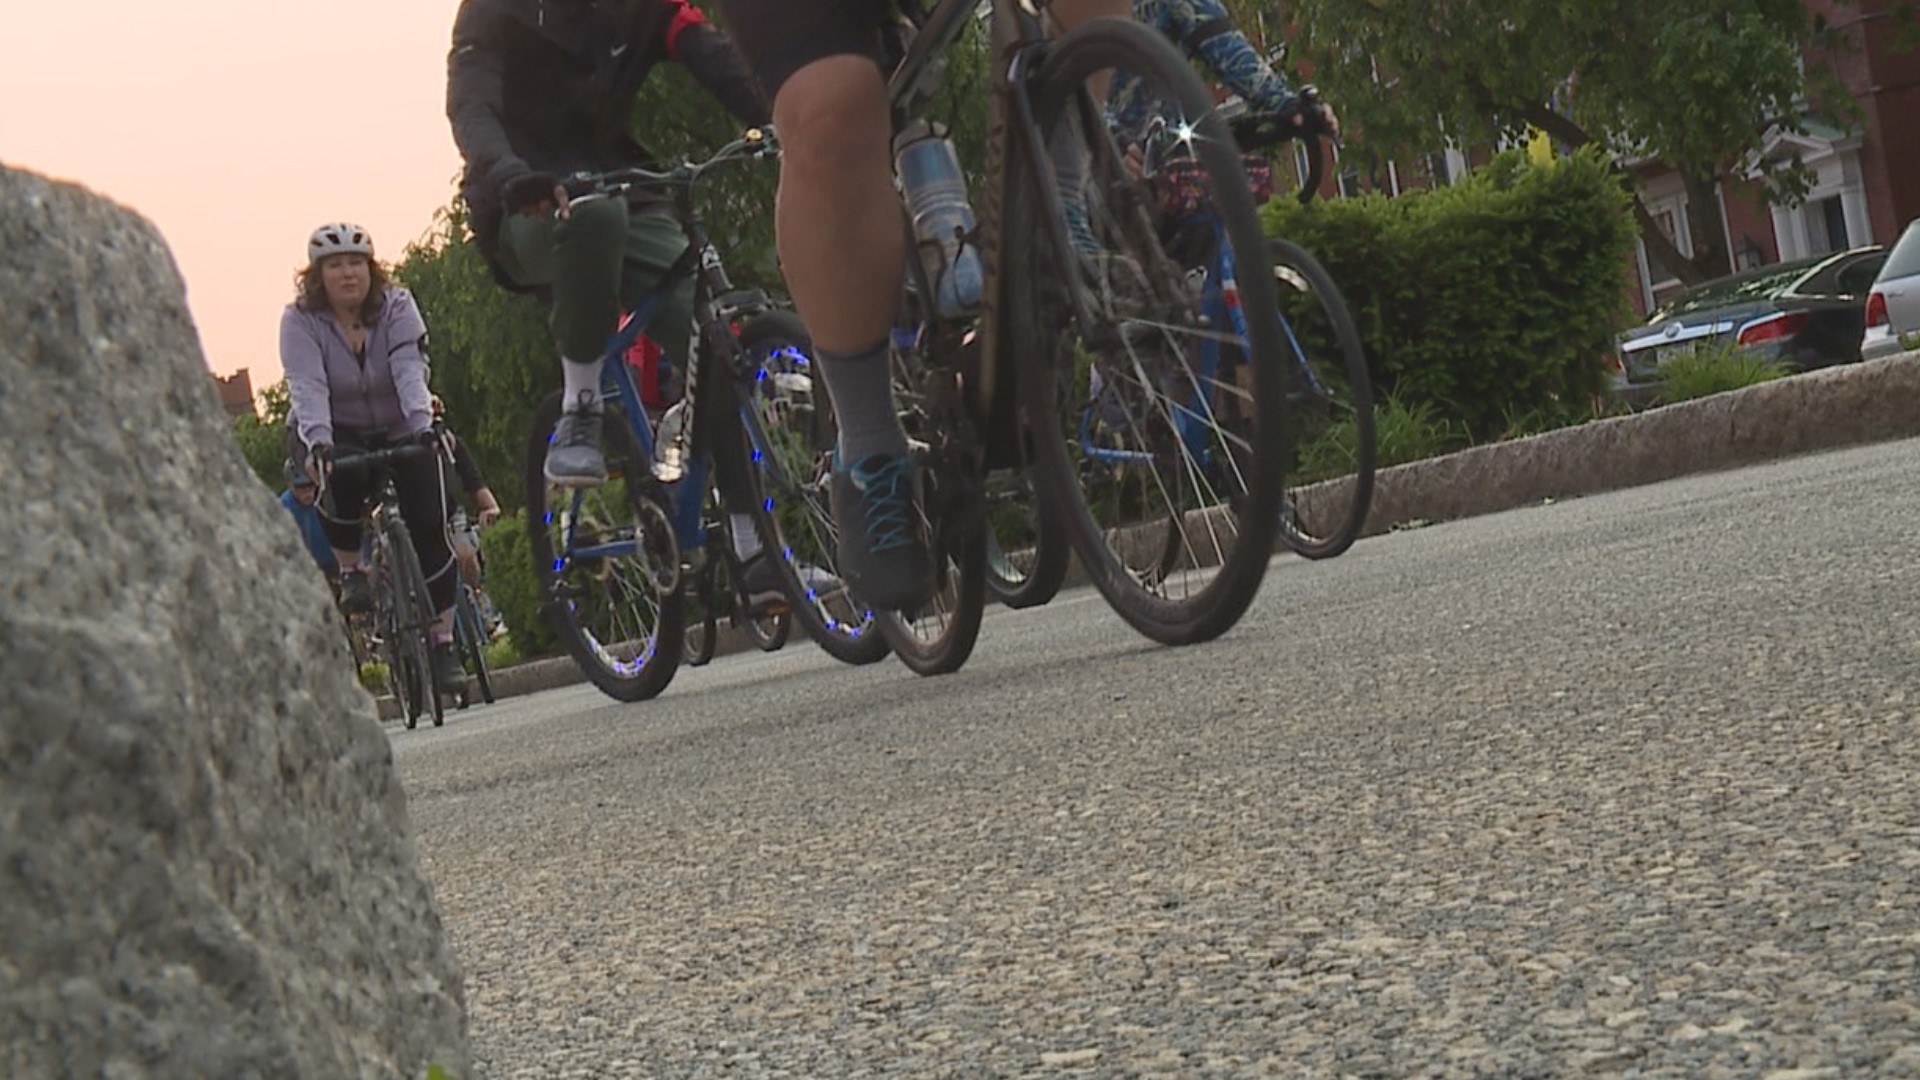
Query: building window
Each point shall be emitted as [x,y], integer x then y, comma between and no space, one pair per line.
[1350,182]
[1437,169]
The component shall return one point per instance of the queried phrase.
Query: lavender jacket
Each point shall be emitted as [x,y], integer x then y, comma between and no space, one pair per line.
[384,391]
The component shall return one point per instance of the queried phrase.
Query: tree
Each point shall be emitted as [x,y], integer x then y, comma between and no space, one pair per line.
[263,435]
[1694,84]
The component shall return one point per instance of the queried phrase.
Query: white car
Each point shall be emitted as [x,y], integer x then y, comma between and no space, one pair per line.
[1893,306]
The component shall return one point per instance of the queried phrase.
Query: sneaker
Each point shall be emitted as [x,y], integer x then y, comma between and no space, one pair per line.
[356,592]
[573,457]
[448,675]
[760,584]
[883,549]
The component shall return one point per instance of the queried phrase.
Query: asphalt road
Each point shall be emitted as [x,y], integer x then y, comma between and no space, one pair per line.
[1618,786]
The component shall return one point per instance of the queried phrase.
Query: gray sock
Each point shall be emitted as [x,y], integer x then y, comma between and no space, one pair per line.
[862,394]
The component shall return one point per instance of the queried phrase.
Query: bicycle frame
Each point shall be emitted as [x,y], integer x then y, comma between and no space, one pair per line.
[717,305]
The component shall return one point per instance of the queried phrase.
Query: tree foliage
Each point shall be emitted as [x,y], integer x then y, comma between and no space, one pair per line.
[1694,84]
[262,435]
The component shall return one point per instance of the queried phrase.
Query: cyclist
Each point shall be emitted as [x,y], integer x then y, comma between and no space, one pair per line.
[537,89]
[540,88]
[352,346]
[464,531]
[299,499]
[1204,30]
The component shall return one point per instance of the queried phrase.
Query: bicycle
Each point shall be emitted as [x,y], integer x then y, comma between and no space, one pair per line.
[1090,291]
[470,633]
[611,561]
[403,614]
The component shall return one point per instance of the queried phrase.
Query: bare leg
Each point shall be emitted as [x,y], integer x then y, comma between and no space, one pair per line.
[842,239]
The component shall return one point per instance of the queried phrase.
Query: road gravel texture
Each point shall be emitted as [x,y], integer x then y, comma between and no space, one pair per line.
[1619,786]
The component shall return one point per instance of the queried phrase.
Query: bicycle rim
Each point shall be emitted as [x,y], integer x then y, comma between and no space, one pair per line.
[1155,415]
[790,436]
[598,555]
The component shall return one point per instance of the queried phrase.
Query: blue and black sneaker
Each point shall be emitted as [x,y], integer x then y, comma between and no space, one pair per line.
[883,546]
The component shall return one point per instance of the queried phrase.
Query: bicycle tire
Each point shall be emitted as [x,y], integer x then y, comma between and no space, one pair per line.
[1036,576]
[770,632]
[472,639]
[704,628]
[1336,512]
[411,582]
[1251,516]
[841,627]
[390,620]
[938,639]
[655,659]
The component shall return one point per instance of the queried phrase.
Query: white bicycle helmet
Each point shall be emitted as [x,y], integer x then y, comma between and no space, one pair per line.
[340,238]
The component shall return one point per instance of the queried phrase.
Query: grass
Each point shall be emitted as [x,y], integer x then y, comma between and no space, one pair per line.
[1402,432]
[1715,370]
[373,676]
[501,653]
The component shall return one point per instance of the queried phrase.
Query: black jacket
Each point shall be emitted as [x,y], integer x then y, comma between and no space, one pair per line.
[547,86]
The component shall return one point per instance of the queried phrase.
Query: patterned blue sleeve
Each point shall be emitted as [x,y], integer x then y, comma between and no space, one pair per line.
[1205,32]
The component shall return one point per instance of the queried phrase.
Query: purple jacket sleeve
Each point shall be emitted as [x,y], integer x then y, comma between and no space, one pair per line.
[407,356]
[305,366]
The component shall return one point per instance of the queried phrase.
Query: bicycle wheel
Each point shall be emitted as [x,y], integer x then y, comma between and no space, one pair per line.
[789,437]
[938,638]
[703,622]
[391,617]
[1154,396]
[770,632]
[471,636]
[409,585]
[1329,410]
[1026,556]
[607,563]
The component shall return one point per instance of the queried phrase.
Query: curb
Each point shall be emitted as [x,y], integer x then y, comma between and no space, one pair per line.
[554,672]
[1836,407]
[1821,410]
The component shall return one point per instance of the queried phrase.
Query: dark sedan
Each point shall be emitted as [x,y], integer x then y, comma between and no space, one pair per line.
[1808,313]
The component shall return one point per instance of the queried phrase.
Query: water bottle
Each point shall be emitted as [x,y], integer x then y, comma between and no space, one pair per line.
[670,444]
[936,194]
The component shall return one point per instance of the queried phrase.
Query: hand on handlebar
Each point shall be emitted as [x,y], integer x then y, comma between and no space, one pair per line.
[534,195]
[1306,116]
[319,464]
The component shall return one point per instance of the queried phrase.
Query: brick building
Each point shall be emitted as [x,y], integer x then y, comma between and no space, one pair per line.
[1866,181]
[236,392]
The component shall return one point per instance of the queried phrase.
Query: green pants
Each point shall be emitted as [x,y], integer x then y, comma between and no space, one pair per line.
[600,260]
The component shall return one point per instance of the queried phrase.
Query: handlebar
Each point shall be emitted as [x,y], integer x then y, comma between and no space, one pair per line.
[1256,132]
[425,442]
[755,144]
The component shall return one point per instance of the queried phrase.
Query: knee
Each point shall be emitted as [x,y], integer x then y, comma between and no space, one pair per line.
[831,112]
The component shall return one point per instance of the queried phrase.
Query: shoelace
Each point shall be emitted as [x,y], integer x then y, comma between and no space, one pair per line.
[889,504]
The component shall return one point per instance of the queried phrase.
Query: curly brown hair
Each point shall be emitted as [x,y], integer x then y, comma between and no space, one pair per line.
[310,292]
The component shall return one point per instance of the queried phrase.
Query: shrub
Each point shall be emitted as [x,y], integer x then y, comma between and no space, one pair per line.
[1714,369]
[373,676]
[1489,300]
[511,583]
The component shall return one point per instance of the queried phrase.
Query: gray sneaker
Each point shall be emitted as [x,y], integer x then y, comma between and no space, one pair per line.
[573,455]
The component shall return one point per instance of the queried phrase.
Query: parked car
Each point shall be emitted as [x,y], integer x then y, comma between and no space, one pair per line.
[1893,307]
[1808,313]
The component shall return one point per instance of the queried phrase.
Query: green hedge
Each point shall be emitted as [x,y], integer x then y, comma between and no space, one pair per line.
[1495,300]
[511,583]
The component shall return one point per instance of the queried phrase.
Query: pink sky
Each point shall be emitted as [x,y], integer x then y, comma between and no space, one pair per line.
[237,127]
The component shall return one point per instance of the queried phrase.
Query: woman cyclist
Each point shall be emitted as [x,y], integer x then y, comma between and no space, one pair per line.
[353,347]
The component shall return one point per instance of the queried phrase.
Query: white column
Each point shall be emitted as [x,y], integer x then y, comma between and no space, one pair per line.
[1790,229]
[1853,201]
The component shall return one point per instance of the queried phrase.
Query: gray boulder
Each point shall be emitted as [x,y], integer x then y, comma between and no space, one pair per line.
[206,868]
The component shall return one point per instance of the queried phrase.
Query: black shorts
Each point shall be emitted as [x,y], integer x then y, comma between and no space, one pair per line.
[779,37]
